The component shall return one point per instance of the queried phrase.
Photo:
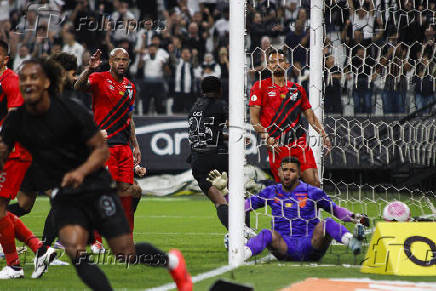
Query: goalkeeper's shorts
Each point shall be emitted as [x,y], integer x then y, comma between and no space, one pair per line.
[204,162]
[300,249]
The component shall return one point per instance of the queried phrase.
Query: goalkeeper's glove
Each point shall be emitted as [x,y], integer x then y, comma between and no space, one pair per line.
[252,187]
[218,180]
[361,218]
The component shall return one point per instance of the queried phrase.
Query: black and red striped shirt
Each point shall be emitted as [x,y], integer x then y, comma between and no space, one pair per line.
[112,103]
[281,108]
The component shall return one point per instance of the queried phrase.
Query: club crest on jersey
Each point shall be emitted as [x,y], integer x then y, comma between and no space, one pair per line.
[288,205]
[111,87]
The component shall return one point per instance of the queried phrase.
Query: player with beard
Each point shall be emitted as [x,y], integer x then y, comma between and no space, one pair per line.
[297,233]
[84,198]
[113,99]
[276,106]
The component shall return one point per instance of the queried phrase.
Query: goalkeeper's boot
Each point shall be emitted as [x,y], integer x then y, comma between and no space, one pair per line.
[356,241]
[11,272]
[180,274]
[42,261]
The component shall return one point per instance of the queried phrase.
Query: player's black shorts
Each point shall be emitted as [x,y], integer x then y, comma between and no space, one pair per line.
[203,162]
[101,212]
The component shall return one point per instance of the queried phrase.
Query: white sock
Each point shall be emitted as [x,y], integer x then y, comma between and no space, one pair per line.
[173,261]
[346,238]
[247,253]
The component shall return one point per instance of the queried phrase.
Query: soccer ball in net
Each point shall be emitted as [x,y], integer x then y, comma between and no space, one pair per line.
[396,211]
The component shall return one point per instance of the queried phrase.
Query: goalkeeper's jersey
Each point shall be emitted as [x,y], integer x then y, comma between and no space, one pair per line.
[295,213]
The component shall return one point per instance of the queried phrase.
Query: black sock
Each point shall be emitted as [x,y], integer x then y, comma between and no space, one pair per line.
[149,255]
[50,230]
[135,201]
[223,214]
[90,274]
[247,218]
[17,210]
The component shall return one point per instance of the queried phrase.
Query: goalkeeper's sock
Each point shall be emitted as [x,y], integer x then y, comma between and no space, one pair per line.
[149,255]
[91,274]
[50,231]
[17,210]
[258,243]
[223,214]
[334,229]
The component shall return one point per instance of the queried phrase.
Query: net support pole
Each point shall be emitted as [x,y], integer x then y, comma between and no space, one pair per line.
[315,77]
[236,131]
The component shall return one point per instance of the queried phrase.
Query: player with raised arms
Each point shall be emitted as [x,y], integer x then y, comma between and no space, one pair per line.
[84,198]
[113,99]
[276,106]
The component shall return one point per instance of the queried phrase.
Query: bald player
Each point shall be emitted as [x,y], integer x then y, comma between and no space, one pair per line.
[113,99]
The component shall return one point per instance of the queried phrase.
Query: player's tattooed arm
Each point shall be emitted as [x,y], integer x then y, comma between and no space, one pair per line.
[97,159]
[314,122]
[134,142]
[82,83]
[255,121]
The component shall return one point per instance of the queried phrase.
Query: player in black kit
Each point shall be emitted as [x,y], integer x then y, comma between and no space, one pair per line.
[71,153]
[207,119]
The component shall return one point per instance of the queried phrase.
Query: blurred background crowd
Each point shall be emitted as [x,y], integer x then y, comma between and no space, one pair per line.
[379,54]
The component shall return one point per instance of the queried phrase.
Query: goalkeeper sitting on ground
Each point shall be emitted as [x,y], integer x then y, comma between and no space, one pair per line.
[297,233]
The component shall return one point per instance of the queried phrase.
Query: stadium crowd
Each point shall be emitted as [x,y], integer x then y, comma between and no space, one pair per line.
[375,50]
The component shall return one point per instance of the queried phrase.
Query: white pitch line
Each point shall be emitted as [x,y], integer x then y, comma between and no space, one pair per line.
[210,274]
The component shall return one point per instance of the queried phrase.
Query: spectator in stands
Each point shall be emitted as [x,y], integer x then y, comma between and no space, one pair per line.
[332,85]
[84,21]
[194,40]
[184,83]
[298,40]
[72,46]
[23,54]
[152,85]
[363,17]
[396,84]
[121,19]
[424,91]
[221,28]
[362,68]
[209,67]
[43,42]
[223,62]
[145,34]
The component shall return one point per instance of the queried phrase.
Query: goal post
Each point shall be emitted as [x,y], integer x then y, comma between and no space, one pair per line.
[315,77]
[236,131]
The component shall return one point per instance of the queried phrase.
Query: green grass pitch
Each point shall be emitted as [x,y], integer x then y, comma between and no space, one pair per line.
[191,225]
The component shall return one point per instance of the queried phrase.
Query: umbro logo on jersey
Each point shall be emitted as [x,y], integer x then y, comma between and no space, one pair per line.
[271,94]
[293,97]
[111,87]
